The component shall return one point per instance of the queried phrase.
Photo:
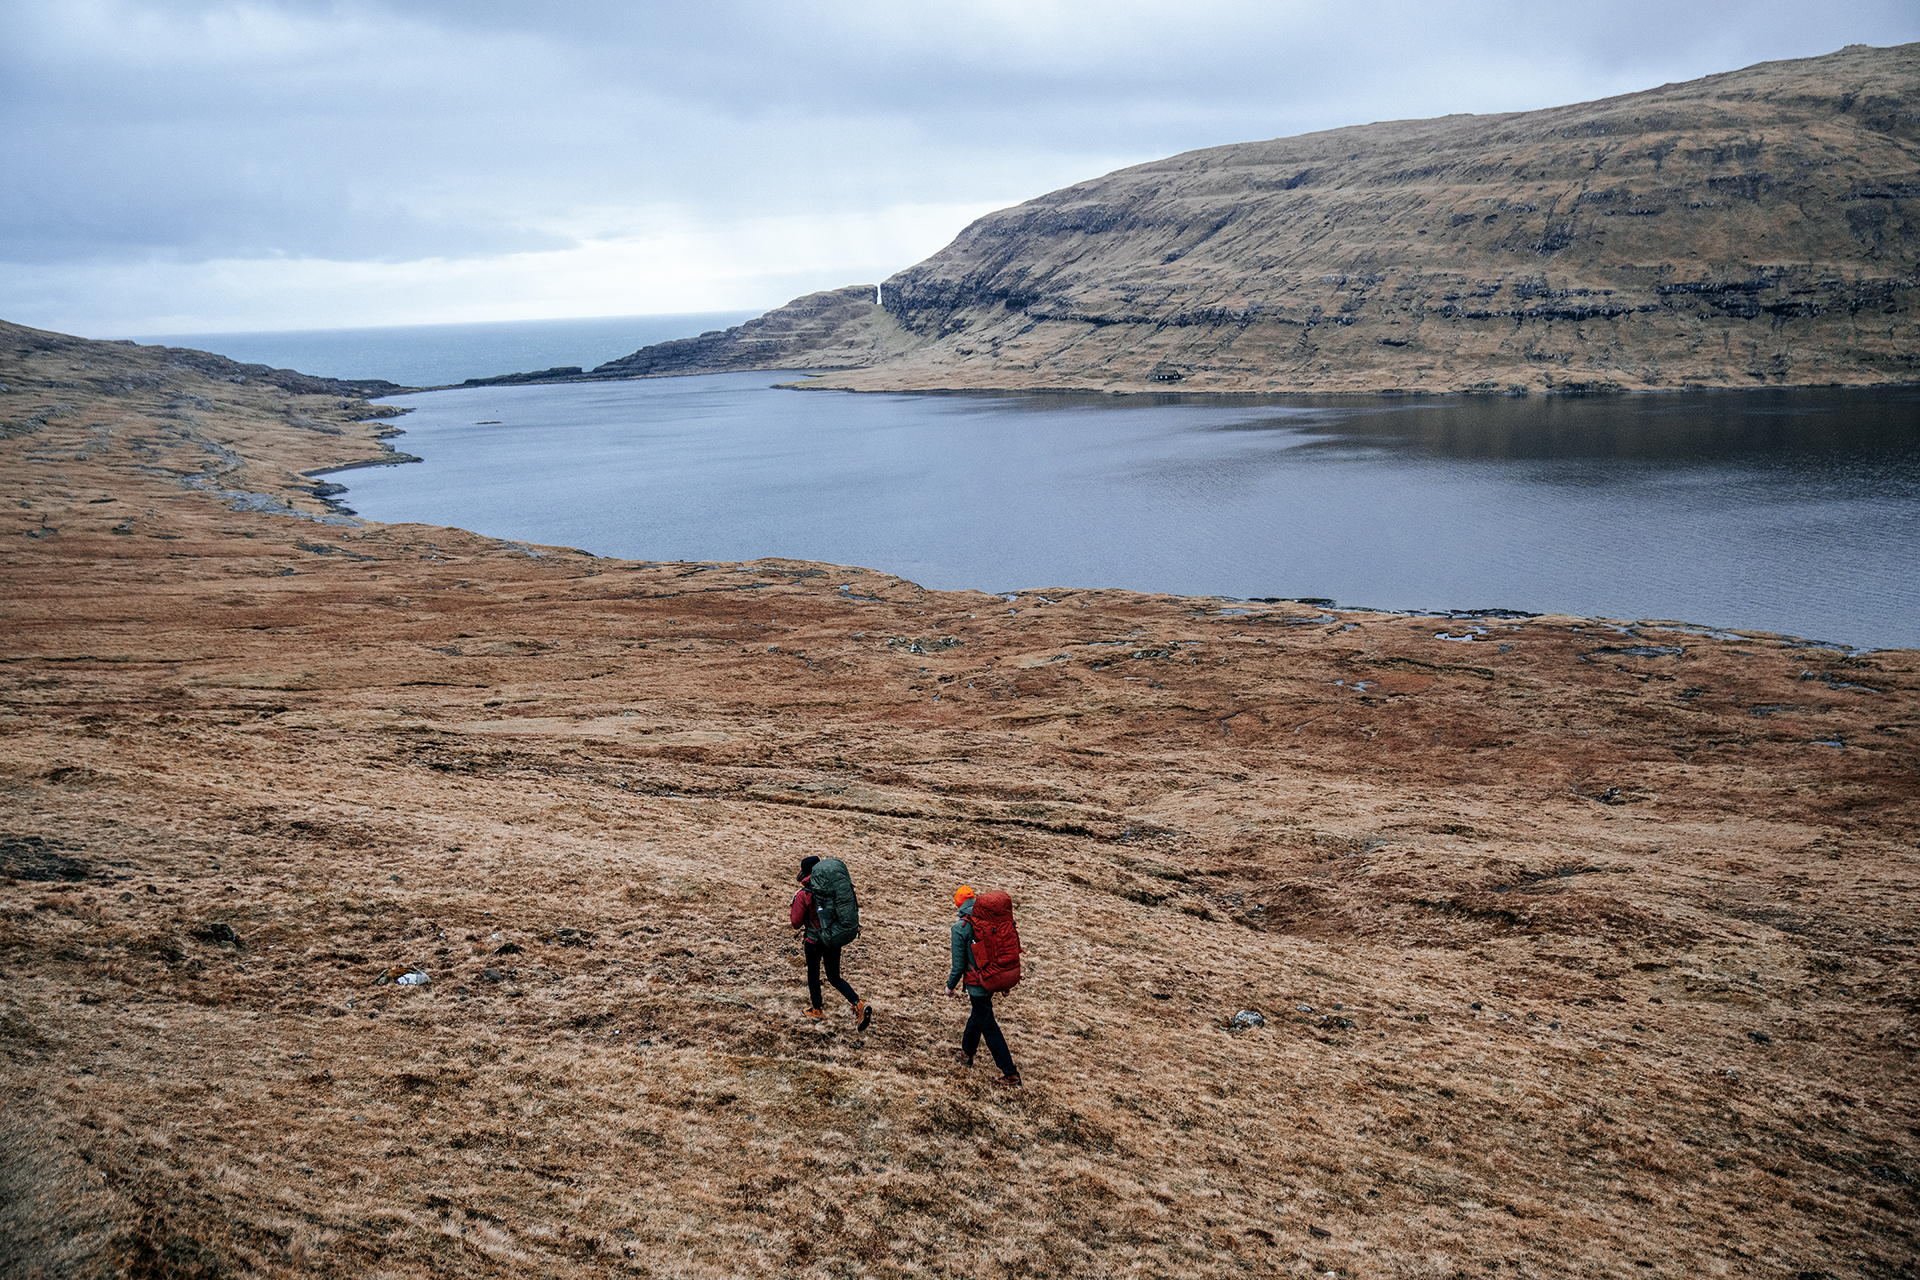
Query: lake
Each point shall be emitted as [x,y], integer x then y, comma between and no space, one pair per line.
[1787,511]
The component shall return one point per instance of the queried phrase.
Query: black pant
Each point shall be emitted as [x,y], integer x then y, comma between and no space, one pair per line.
[982,1024]
[815,954]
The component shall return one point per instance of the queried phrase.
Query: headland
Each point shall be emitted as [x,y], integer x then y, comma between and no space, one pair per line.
[1755,228]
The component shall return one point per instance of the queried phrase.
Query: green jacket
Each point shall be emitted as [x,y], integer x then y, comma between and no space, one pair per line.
[962,932]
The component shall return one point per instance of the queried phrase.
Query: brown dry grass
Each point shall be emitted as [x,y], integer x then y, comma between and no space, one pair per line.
[422,746]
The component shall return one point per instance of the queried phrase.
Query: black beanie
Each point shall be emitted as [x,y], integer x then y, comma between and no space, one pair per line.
[806,867]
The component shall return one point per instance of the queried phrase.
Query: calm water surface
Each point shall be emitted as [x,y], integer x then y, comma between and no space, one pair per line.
[1796,512]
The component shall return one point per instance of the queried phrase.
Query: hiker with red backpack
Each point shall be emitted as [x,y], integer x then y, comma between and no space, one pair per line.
[986,954]
[828,914]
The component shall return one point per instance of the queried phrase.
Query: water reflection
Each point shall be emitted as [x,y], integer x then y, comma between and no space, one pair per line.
[1700,427]
[1791,511]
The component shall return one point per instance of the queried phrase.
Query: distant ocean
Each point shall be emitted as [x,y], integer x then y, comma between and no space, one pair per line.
[433,355]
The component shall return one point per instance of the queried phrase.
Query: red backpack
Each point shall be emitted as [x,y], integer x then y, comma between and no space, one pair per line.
[996,943]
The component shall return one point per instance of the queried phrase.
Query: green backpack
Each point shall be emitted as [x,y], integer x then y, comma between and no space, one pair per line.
[838,911]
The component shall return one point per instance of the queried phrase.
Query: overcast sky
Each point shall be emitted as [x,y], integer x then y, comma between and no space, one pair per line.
[184,166]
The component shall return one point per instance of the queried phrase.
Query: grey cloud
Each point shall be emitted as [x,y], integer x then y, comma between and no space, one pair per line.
[1239,59]
[448,128]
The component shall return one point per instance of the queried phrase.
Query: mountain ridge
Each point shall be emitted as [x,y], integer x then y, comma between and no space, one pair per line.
[1751,228]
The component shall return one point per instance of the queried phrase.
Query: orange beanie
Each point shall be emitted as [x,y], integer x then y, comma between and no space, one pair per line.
[961,894]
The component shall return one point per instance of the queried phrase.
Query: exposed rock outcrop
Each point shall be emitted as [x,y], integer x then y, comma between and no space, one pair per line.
[1753,228]
[559,373]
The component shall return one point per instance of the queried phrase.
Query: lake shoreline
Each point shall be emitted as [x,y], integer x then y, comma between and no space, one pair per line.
[1781,511]
[816,371]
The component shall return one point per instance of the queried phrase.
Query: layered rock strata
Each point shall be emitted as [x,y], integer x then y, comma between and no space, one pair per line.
[1756,228]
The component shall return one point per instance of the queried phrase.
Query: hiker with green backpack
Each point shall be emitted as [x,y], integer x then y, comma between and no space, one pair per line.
[828,914]
[986,955]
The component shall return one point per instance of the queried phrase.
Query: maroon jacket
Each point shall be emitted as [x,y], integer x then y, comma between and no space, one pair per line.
[803,916]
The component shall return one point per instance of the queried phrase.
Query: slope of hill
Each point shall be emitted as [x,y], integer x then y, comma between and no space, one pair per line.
[1581,949]
[1758,227]
[838,327]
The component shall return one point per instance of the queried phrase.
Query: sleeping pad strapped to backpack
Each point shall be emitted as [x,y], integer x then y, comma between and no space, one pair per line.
[838,910]
[996,943]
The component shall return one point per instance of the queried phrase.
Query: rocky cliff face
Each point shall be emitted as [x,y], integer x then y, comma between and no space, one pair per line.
[1752,228]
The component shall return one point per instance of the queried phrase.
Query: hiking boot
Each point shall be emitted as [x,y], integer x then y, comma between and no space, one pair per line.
[962,1057]
[816,1013]
[863,1013]
[1009,1082]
